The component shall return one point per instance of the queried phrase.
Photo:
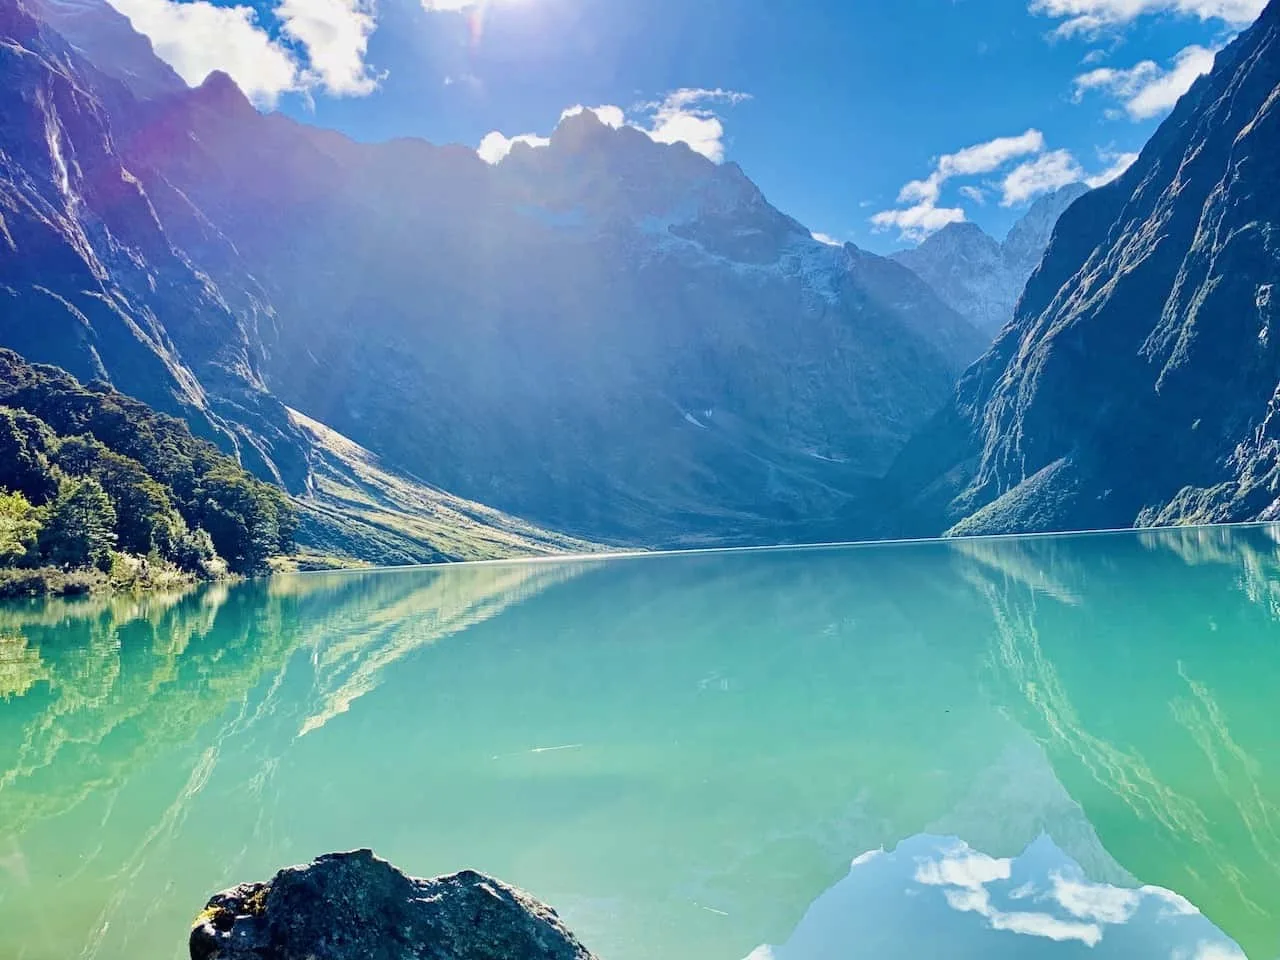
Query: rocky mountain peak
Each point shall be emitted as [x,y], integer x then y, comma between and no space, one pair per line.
[980,277]
[106,38]
[1029,237]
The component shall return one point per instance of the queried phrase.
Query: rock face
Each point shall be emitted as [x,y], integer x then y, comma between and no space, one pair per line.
[354,906]
[980,278]
[90,277]
[1140,379]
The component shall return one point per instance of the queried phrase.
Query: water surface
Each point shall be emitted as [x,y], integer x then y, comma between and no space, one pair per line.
[1047,747]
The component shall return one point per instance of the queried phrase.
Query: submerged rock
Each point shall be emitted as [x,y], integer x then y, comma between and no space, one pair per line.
[355,906]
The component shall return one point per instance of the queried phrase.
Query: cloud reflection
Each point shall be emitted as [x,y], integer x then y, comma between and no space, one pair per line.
[936,896]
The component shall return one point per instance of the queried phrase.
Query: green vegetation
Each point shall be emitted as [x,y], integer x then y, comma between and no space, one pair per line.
[98,489]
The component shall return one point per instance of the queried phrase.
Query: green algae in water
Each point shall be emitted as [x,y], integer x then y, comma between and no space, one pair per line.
[1028,748]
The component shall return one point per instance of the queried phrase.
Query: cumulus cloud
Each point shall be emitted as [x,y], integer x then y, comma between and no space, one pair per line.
[197,38]
[1146,89]
[1119,163]
[916,223]
[964,874]
[1044,174]
[1095,901]
[924,216]
[684,116]
[608,114]
[1088,17]
[321,43]
[335,36]
[495,147]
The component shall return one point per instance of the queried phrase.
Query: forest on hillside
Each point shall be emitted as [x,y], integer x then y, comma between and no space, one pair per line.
[96,487]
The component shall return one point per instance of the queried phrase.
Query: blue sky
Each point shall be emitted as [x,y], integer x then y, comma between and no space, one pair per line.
[874,121]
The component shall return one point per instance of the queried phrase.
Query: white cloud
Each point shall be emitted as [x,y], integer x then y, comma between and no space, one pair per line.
[963,868]
[1218,951]
[827,240]
[916,223]
[1042,175]
[1163,92]
[964,873]
[1088,17]
[976,194]
[1146,89]
[198,37]
[608,114]
[985,157]
[924,216]
[335,34]
[1095,901]
[449,6]
[322,44]
[494,147]
[682,116]
[1120,162]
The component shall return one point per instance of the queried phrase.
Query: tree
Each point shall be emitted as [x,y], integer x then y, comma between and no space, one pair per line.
[19,527]
[248,520]
[80,530]
[145,517]
[24,468]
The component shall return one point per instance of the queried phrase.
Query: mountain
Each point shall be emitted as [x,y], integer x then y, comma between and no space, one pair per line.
[608,335]
[96,472]
[90,278]
[980,278]
[1138,382]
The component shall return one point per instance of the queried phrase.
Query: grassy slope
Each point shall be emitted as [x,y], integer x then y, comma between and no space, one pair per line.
[360,511]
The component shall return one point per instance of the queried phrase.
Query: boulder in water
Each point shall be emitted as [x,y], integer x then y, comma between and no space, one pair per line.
[355,906]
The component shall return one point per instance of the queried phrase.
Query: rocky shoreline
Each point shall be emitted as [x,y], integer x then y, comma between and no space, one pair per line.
[356,906]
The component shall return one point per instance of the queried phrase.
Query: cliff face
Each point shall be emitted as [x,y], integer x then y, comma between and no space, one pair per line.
[1138,381]
[90,276]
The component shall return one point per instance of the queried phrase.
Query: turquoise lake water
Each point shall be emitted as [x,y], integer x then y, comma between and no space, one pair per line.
[1046,747]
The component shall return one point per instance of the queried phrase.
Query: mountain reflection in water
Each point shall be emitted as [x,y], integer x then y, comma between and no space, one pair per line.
[1060,744]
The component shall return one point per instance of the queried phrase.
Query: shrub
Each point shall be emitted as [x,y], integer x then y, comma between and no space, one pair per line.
[19,528]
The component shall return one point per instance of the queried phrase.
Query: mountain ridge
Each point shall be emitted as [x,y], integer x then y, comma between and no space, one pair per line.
[680,362]
[1138,381]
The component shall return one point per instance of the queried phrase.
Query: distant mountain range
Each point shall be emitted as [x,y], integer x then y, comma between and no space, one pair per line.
[607,335]
[978,276]
[623,341]
[1138,380]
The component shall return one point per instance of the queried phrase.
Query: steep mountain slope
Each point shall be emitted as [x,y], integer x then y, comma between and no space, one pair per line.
[980,278]
[1138,382]
[607,335]
[359,509]
[89,278]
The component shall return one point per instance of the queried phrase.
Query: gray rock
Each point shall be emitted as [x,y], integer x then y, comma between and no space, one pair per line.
[356,906]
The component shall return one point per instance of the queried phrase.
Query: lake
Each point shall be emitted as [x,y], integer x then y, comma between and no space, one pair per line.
[1036,747]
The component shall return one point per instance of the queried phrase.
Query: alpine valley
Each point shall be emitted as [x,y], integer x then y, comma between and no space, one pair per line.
[623,342]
